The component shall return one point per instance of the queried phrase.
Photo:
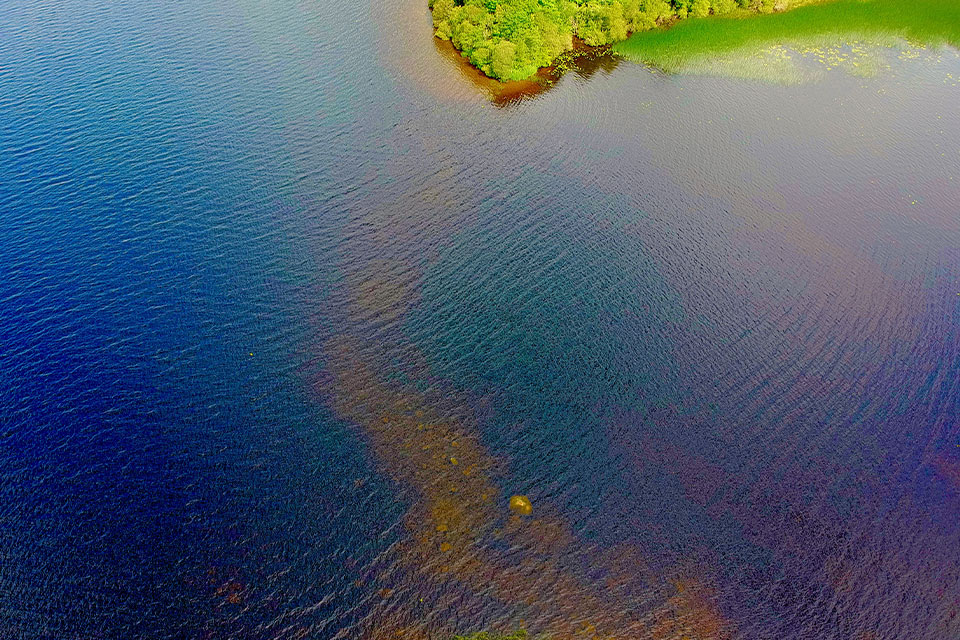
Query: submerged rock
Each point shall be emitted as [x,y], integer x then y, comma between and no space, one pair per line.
[521,505]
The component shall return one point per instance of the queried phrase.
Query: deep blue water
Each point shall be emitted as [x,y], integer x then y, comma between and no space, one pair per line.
[710,326]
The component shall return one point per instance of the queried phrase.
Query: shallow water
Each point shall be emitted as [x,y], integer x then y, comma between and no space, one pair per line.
[289,310]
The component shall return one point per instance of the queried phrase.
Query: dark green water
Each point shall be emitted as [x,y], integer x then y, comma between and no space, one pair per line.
[289,310]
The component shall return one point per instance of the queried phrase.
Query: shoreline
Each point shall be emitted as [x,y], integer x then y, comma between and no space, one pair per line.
[583,59]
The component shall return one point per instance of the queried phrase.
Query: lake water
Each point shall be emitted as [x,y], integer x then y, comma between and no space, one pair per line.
[289,309]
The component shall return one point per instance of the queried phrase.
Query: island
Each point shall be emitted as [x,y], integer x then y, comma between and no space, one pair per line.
[512,39]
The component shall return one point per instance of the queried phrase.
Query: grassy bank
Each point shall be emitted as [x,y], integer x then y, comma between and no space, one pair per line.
[696,42]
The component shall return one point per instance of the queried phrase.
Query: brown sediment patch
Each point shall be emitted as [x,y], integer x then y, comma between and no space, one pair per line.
[441,460]
[947,467]
[460,512]
[500,93]
[231,592]
[463,540]
[691,614]
[582,59]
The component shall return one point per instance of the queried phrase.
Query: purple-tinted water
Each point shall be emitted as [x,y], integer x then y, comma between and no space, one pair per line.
[289,310]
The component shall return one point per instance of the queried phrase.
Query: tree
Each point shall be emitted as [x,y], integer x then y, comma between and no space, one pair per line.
[501,62]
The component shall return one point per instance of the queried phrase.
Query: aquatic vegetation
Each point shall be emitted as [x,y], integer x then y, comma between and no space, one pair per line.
[511,39]
[829,32]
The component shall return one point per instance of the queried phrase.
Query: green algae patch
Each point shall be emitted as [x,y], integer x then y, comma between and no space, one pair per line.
[843,34]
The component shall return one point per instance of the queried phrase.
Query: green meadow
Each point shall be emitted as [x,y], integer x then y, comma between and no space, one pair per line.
[839,32]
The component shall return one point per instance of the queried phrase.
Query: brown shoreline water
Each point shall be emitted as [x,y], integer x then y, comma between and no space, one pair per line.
[442,71]
[583,59]
[499,93]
